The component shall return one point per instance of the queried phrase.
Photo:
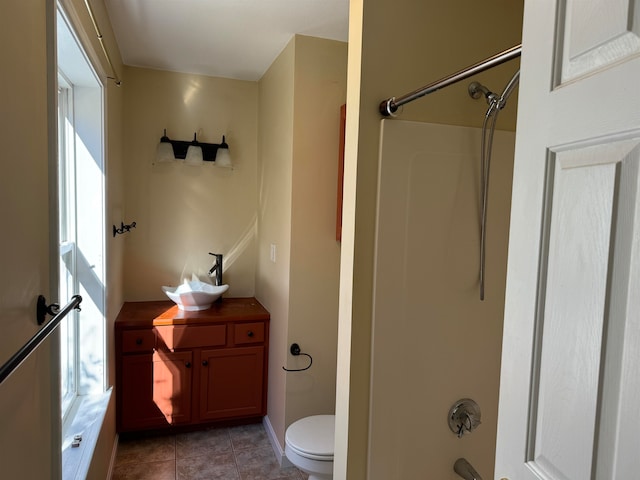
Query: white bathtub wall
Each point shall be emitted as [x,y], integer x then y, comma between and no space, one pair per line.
[434,340]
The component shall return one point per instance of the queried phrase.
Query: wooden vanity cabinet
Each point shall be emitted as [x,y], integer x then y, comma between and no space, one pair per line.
[134,353]
[136,379]
[172,380]
[230,381]
[184,368]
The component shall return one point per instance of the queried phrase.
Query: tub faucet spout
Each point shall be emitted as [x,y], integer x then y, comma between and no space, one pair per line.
[464,469]
[216,269]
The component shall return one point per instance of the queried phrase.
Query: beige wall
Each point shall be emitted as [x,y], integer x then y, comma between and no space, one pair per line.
[300,98]
[274,219]
[26,395]
[428,43]
[182,212]
[320,90]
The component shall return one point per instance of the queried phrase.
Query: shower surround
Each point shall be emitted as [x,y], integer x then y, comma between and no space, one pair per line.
[435,341]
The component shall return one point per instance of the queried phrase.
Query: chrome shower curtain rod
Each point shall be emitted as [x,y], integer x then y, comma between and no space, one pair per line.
[389,106]
[92,16]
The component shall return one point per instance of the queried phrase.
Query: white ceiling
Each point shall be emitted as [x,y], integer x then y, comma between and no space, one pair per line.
[222,38]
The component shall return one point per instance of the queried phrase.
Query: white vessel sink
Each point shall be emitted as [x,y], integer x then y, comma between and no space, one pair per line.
[194,295]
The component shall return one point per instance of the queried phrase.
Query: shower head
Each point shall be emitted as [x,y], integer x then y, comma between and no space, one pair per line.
[495,101]
[476,90]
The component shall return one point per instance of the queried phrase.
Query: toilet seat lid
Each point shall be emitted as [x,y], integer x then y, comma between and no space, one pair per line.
[312,436]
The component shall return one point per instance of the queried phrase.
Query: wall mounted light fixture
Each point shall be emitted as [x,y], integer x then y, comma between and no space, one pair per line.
[193,152]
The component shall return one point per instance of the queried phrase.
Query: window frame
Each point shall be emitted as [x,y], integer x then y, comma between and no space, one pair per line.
[75,155]
[68,328]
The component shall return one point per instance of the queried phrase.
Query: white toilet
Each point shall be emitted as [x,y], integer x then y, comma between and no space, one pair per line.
[309,445]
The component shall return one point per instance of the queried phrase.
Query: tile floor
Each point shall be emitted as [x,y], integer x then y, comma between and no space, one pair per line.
[233,453]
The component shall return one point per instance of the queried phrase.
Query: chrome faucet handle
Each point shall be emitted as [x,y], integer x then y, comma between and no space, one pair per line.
[464,417]
[465,425]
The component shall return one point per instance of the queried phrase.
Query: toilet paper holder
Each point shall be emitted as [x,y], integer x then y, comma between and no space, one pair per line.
[464,416]
[295,351]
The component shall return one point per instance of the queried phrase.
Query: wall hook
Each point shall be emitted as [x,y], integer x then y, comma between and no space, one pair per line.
[123,228]
[295,351]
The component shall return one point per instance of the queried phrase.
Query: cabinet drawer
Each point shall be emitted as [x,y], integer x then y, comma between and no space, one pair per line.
[138,341]
[182,336]
[248,333]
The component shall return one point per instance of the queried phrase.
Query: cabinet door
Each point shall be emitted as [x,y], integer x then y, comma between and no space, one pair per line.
[137,409]
[172,385]
[231,383]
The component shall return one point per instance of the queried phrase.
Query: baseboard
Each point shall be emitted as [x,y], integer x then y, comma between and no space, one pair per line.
[275,444]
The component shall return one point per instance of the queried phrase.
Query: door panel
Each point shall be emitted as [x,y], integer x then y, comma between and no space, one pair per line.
[584,194]
[571,309]
[596,34]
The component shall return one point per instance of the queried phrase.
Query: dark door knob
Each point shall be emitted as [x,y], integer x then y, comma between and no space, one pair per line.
[205,363]
[138,341]
[249,334]
[187,364]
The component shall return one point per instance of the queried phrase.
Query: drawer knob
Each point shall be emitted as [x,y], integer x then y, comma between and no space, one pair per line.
[249,334]
[187,364]
[205,363]
[138,341]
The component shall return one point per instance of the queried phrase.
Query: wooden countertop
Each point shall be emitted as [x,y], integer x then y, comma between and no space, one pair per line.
[165,312]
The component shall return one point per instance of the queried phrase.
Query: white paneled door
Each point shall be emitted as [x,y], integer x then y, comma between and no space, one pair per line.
[570,380]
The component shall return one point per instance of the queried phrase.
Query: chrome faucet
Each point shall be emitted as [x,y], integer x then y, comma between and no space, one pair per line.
[464,469]
[216,269]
